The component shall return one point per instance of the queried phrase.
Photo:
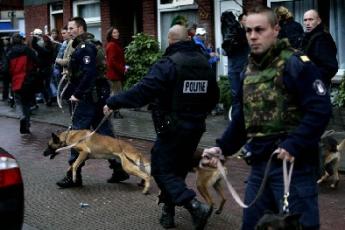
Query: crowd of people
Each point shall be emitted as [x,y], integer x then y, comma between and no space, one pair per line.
[281,103]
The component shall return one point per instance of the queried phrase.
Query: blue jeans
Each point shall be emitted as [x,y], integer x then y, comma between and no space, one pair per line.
[236,64]
[303,197]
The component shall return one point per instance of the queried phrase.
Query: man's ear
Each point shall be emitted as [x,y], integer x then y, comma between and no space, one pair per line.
[56,139]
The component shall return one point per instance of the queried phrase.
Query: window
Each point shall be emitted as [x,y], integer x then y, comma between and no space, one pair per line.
[165,4]
[337,18]
[90,10]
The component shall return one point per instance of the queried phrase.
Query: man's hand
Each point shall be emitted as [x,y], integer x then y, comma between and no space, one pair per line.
[73,99]
[283,154]
[107,110]
[212,156]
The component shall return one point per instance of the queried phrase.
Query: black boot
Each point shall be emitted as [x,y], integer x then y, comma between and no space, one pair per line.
[24,126]
[200,213]
[118,173]
[167,217]
[118,176]
[67,181]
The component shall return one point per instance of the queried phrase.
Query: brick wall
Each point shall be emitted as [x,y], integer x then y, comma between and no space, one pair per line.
[150,17]
[67,11]
[105,19]
[36,16]
[206,18]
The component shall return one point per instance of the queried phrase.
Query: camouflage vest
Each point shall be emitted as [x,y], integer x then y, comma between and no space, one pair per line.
[268,108]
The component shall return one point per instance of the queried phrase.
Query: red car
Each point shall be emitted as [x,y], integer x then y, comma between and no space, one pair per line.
[11,193]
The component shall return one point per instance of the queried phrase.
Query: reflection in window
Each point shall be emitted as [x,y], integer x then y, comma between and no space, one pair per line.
[89,10]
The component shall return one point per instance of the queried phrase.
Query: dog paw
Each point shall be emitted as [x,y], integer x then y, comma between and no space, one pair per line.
[319,181]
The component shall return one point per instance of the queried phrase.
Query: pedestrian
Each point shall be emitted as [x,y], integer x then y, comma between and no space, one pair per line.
[182,90]
[87,107]
[319,46]
[115,64]
[200,41]
[65,51]
[46,56]
[235,45]
[58,66]
[4,47]
[285,108]
[23,64]
[289,28]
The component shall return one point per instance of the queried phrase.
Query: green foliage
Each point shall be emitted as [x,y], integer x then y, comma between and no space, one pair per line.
[140,54]
[225,94]
[179,20]
[338,96]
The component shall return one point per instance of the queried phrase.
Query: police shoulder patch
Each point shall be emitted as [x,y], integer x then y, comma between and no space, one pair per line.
[304,58]
[86,59]
[319,87]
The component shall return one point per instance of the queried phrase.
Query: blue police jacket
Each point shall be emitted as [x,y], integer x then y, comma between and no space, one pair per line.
[83,66]
[302,79]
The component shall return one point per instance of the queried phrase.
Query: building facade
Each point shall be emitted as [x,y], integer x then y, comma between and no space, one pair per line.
[154,17]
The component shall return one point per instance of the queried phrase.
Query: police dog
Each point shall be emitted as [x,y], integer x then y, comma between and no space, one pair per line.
[331,155]
[205,178]
[98,146]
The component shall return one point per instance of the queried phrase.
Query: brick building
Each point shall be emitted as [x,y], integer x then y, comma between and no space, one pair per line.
[154,17]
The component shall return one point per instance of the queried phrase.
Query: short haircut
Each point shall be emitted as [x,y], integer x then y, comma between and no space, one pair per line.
[260,9]
[80,22]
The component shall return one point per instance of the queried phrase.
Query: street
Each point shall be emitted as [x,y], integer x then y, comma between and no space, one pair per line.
[110,206]
[117,206]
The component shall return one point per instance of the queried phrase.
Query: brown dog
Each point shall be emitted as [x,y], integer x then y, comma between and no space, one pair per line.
[331,151]
[207,177]
[99,146]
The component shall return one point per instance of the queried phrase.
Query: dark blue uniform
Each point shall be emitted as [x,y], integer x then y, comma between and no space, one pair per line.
[88,111]
[179,119]
[301,78]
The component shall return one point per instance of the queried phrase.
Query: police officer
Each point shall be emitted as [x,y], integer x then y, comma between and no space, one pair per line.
[285,108]
[182,90]
[87,107]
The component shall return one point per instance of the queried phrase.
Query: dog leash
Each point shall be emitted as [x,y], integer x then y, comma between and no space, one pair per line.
[87,136]
[286,177]
[59,96]
[287,174]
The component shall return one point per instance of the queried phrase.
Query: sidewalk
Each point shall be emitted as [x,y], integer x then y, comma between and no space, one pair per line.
[135,124]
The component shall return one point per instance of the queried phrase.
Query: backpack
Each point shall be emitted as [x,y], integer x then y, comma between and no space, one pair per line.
[234,37]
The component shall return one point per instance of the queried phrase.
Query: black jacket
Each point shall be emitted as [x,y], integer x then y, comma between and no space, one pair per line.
[291,30]
[320,47]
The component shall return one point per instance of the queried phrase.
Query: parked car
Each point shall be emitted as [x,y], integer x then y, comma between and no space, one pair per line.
[11,193]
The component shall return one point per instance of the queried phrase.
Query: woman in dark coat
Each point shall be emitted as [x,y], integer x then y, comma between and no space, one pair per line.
[115,63]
